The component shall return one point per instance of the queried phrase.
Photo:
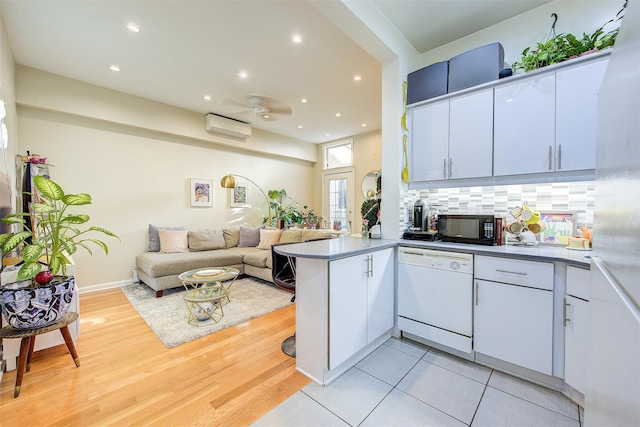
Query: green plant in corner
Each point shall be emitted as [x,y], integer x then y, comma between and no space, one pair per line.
[55,236]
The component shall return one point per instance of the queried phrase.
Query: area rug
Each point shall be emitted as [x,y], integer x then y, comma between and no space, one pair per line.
[167,316]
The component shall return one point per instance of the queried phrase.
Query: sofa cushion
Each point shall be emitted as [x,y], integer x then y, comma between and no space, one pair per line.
[291,236]
[310,234]
[231,237]
[156,264]
[258,258]
[173,241]
[206,240]
[249,237]
[154,239]
[268,238]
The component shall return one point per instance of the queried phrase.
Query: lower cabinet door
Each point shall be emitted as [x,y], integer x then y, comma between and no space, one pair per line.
[576,332]
[514,324]
[347,308]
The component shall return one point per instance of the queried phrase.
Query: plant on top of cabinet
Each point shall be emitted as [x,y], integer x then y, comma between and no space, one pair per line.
[562,47]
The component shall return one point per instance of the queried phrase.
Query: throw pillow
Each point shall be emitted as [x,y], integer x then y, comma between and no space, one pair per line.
[249,237]
[231,237]
[290,236]
[268,238]
[154,240]
[205,240]
[173,241]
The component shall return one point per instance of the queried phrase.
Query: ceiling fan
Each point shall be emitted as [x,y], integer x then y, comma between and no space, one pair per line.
[262,106]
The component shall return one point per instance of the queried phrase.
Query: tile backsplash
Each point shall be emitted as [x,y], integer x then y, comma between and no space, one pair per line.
[498,200]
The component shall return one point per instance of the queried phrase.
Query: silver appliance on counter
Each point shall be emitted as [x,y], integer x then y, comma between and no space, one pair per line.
[612,395]
[445,321]
[421,229]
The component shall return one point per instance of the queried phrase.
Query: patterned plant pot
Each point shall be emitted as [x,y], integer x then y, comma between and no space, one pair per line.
[27,307]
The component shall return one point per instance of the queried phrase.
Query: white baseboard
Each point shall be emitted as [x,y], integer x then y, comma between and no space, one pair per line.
[103,286]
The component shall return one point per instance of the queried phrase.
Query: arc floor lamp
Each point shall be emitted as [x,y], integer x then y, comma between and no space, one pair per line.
[228,181]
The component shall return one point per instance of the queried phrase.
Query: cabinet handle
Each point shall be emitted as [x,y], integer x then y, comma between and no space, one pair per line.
[477,296]
[512,272]
[550,158]
[371,268]
[450,163]
[559,157]
[564,314]
[444,168]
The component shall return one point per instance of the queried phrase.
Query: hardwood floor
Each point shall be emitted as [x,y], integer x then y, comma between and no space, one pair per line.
[128,377]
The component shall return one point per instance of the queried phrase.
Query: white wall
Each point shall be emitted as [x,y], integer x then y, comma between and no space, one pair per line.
[137,175]
[7,95]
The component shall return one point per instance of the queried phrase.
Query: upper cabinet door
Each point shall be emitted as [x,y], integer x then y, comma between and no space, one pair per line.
[576,114]
[429,155]
[524,140]
[471,135]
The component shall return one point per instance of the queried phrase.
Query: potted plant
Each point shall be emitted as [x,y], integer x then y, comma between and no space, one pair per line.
[285,208]
[43,292]
[562,47]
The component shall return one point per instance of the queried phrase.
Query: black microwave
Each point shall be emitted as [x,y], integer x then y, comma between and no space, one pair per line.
[474,229]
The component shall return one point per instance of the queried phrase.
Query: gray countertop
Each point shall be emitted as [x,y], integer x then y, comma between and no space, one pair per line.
[340,247]
[349,246]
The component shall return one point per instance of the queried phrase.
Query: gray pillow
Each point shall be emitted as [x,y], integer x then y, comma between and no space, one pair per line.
[205,240]
[154,239]
[249,237]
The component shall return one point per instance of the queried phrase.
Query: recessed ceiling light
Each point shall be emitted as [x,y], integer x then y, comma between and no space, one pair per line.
[243,74]
[133,27]
[304,100]
[364,125]
[207,97]
[326,134]
[299,126]
[338,114]
[296,38]
[114,68]
[357,78]
[266,116]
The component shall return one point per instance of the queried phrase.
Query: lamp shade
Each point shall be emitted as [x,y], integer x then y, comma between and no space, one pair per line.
[228,182]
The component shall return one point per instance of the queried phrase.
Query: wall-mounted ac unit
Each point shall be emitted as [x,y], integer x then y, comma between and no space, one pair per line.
[225,126]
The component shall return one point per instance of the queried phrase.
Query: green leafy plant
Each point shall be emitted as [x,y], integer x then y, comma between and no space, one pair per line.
[285,208]
[563,47]
[55,236]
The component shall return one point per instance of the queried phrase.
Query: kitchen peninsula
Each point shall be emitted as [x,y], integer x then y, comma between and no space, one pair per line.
[344,302]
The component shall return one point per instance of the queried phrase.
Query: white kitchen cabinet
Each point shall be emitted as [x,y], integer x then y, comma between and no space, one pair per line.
[429,141]
[453,138]
[524,126]
[471,135]
[513,313]
[576,328]
[577,89]
[547,122]
[361,302]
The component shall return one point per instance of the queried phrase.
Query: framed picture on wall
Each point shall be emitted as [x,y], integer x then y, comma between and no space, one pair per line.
[240,195]
[201,192]
[559,227]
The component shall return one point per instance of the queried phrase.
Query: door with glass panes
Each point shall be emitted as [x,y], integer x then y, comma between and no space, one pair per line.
[337,200]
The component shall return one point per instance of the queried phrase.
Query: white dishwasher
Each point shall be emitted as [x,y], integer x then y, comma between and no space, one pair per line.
[435,297]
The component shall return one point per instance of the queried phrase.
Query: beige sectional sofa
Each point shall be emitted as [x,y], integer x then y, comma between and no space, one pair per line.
[173,251]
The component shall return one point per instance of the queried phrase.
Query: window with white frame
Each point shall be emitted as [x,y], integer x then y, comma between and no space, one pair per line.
[338,155]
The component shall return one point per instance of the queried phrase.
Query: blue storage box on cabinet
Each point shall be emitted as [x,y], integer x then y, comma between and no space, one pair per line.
[428,82]
[476,66]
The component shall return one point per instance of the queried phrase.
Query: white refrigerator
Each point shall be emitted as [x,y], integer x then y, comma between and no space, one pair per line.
[612,396]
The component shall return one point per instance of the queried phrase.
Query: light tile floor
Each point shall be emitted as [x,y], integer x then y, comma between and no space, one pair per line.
[406,384]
